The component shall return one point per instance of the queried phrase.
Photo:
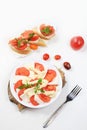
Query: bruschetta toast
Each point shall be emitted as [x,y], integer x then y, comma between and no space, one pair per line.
[45,31]
[19,45]
[32,39]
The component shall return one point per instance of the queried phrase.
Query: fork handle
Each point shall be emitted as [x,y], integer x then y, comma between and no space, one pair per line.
[52,117]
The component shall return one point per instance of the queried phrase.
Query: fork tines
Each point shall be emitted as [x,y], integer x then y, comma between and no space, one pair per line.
[76,90]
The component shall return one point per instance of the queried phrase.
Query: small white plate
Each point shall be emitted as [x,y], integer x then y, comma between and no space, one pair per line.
[58,80]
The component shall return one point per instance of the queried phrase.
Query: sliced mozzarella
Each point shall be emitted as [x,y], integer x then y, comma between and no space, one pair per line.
[50,93]
[19,77]
[38,99]
[24,97]
[41,74]
[44,83]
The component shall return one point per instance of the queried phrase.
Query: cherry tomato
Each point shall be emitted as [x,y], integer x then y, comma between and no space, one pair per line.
[57,57]
[22,71]
[33,46]
[77,42]
[32,100]
[67,65]
[44,97]
[46,56]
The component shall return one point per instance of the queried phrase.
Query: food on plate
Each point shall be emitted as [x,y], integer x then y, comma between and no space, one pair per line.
[35,83]
[57,57]
[19,45]
[77,42]
[50,75]
[32,39]
[45,31]
[46,56]
[67,65]
[22,71]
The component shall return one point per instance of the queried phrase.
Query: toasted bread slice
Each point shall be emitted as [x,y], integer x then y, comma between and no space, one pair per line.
[37,30]
[26,51]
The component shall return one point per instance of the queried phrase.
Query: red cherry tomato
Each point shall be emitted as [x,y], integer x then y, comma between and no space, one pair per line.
[57,57]
[46,56]
[67,65]
[77,42]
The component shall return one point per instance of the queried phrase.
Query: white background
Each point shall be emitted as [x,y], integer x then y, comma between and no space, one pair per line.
[70,19]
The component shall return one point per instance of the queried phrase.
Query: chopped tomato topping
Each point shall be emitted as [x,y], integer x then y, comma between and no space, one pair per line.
[32,100]
[30,35]
[50,75]
[19,43]
[44,97]
[47,30]
[13,42]
[22,71]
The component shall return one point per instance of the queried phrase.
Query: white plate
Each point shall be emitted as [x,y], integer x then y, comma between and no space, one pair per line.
[58,80]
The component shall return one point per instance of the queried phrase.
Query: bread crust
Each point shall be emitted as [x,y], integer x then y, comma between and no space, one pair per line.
[40,42]
[26,51]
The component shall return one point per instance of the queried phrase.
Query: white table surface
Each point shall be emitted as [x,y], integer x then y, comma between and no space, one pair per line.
[70,19]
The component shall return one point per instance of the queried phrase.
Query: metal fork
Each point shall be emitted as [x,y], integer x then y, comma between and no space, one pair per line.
[69,97]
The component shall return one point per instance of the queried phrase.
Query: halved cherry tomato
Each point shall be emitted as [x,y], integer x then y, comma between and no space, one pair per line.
[30,35]
[20,93]
[33,46]
[50,75]
[34,38]
[77,42]
[39,66]
[50,87]
[22,71]
[44,97]
[47,30]
[17,84]
[57,57]
[32,100]
[46,56]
